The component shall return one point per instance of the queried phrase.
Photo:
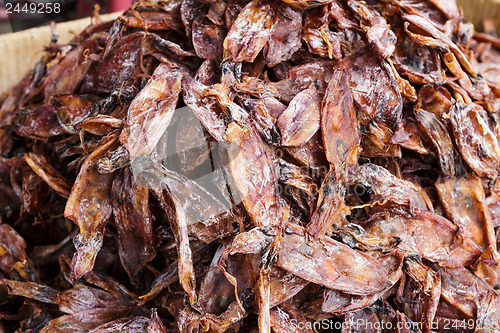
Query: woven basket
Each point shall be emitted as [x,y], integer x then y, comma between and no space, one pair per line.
[476,11]
[21,50]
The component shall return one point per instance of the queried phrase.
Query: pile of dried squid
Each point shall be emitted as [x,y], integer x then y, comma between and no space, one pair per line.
[256,166]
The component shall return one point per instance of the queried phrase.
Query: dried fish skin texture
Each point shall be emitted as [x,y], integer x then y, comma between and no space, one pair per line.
[255,166]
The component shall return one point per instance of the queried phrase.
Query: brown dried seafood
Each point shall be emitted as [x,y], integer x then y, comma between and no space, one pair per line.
[256,166]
